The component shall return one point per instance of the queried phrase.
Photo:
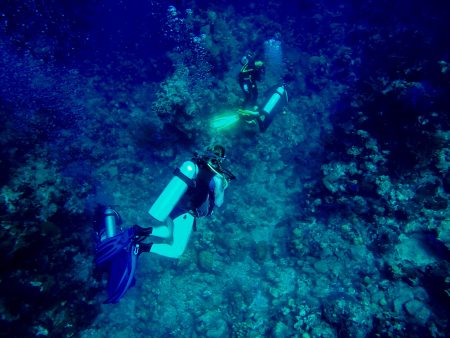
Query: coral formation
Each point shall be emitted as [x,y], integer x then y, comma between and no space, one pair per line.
[338,223]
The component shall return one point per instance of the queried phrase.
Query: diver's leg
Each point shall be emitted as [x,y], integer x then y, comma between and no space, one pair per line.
[252,95]
[245,86]
[164,231]
[263,123]
[182,230]
[255,93]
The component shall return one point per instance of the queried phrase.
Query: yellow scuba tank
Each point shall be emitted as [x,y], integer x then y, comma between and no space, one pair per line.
[172,193]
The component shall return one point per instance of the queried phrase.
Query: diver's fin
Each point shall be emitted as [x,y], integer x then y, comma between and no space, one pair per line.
[121,276]
[110,247]
[225,121]
[248,112]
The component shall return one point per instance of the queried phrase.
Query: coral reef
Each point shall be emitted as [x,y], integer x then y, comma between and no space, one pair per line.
[338,223]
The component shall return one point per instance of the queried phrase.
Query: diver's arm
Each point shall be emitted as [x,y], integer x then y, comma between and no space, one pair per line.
[219,190]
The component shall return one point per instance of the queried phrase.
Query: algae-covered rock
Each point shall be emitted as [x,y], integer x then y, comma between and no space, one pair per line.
[206,261]
[411,251]
[347,315]
[281,330]
[211,325]
[444,233]
[418,310]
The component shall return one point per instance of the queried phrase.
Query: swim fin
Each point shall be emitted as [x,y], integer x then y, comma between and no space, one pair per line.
[110,247]
[121,276]
[121,252]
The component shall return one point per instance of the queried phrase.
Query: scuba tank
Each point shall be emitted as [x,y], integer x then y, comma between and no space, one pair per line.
[277,98]
[111,222]
[184,177]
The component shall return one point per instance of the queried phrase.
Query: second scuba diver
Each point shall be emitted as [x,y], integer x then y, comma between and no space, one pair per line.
[196,188]
[250,72]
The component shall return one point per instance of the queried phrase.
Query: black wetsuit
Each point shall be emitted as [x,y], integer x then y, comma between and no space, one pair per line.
[199,198]
[248,76]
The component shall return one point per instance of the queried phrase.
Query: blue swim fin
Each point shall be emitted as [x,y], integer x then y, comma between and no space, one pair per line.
[121,253]
[109,248]
[121,276]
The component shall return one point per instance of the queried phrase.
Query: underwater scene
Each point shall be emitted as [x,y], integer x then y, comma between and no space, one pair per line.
[224,168]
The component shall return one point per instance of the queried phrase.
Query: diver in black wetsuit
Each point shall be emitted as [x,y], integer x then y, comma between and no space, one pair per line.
[250,72]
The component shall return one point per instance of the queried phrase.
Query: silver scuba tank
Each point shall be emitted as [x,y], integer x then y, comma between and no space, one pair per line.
[112,222]
[173,192]
[279,96]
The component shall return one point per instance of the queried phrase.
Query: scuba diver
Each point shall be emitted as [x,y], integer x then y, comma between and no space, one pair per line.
[265,114]
[250,72]
[196,188]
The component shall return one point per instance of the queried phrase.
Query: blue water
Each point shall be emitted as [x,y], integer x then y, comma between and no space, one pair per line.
[337,224]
